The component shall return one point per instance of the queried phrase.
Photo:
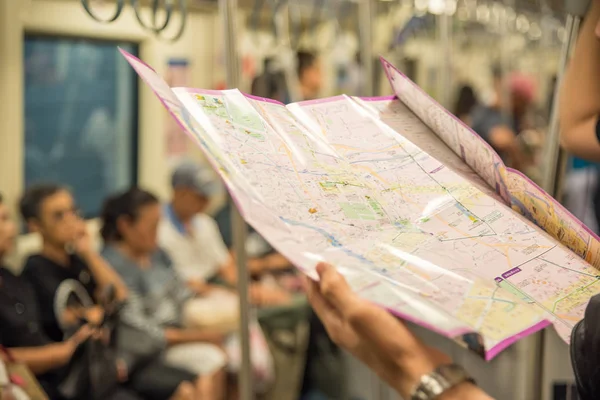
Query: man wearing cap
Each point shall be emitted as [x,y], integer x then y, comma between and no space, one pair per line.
[193,240]
[499,130]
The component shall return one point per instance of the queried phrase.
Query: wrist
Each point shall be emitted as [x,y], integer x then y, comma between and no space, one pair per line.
[409,371]
[86,255]
[68,347]
[464,391]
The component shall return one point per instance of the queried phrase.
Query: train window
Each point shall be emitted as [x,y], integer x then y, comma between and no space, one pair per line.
[81,109]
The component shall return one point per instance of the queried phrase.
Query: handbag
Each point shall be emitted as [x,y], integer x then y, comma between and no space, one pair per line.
[91,373]
[134,346]
[92,369]
[17,381]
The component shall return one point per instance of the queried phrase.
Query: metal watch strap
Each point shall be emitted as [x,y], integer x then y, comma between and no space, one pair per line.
[436,383]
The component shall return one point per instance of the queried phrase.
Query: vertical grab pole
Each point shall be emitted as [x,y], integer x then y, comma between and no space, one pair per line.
[444,33]
[576,9]
[365,29]
[227,10]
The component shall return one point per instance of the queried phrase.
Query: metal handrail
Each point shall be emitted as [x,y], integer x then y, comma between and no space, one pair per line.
[156,6]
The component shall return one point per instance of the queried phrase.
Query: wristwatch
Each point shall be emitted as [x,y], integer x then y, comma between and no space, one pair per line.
[436,383]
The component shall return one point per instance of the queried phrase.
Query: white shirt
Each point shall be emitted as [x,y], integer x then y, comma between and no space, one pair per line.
[197,256]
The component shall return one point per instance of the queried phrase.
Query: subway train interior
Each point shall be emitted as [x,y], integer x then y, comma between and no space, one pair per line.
[162,244]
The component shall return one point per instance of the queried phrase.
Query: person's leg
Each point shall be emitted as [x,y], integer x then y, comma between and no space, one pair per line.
[207,387]
[186,391]
[159,381]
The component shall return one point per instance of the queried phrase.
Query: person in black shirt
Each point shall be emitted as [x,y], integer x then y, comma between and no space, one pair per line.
[50,211]
[22,333]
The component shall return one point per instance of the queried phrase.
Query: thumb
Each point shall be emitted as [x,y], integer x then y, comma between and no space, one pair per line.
[334,288]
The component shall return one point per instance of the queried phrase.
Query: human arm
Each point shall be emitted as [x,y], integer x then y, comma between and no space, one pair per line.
[189,335]
[41,359]
[103,273]
[579,101]
[268,263]
[256,266]
[72,316]
[199,287]
[377,338]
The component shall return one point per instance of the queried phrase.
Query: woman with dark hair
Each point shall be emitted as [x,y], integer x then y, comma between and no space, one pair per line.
[465,102]
[156,296]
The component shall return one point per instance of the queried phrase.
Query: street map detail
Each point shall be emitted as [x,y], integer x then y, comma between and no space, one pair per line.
[417,225]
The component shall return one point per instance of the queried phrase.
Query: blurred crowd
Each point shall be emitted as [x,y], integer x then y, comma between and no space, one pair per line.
[509,122]
[149,312]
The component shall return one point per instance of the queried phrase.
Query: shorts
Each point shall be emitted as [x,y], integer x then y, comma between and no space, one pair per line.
[157,380]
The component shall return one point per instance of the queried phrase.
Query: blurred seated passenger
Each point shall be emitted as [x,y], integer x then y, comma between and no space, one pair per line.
[194,243]
[465,102]
[180,316]
[309,75]
[67,255]
[22,332]
[157,298]
[500,131]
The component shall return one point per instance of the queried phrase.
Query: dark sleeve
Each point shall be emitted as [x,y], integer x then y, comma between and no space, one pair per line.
[44,285]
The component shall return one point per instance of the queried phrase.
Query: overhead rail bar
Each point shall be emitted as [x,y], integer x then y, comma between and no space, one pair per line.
[156,7]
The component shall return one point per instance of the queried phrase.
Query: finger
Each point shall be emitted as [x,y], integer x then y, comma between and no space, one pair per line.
[334,288]
[85,332]
[326,313]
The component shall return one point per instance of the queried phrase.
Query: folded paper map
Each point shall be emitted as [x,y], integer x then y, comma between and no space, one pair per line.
[415,209]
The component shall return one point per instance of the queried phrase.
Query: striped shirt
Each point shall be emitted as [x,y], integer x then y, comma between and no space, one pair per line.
[156,295]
